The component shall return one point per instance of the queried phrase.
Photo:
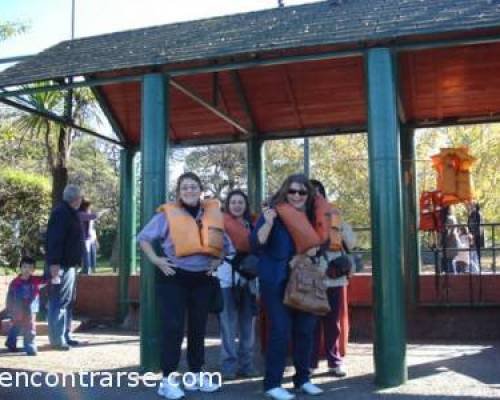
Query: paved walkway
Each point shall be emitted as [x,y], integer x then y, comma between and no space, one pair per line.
[436,371]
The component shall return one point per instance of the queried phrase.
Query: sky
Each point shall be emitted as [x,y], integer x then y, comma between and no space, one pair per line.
[49,21]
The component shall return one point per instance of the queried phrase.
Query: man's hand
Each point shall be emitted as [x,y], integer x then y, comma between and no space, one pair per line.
[165,265]
[55,270]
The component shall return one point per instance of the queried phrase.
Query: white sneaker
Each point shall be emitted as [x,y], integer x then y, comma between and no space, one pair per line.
[309,388]
[204,384]
[339,371]
[170,391]
[278,393]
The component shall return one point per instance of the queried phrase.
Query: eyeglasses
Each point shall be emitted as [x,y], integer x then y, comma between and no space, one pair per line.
[300,192]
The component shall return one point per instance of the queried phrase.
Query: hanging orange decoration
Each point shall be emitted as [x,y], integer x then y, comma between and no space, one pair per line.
[453,166]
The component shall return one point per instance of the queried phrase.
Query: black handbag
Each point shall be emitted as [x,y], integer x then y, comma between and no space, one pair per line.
[246,266]
[216,301]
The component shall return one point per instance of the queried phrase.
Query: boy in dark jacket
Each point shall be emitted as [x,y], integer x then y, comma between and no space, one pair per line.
[22,306]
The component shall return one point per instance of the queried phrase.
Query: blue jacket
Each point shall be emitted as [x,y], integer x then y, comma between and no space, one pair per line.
[64,237]
[273,255]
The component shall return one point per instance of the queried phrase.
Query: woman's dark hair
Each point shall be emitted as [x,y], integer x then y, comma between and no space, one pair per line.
[27,260]
[84,206]
[319,187]
[187,175]
[246,214]
[280,196]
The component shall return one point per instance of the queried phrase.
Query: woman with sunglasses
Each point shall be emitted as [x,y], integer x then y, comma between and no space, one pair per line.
[239,290]
[276,240]
[191,232]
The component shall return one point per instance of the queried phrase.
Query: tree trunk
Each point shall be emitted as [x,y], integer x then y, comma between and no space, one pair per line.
[59,182]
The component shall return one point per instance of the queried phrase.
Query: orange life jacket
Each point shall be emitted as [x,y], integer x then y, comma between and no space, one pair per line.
[304,234]
[431,211]
[453,168]
[238,233]
[196,237]
[335,230]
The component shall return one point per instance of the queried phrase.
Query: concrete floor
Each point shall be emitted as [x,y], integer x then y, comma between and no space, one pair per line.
[436,371]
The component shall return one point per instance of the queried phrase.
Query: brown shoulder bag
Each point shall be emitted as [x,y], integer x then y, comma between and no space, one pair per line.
[306,290]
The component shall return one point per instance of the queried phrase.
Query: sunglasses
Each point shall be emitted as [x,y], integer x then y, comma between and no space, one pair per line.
[300,192]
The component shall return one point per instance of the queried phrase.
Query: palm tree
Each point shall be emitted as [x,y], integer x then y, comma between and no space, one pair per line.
[58,139]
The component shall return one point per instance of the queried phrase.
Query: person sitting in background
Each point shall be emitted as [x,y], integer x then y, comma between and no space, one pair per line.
[22,306]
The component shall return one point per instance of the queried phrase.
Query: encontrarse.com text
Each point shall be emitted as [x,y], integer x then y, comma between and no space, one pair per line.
[101,379]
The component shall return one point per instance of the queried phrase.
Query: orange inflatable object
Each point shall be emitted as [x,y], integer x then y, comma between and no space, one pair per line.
[188,236]
[304,235]
[453,168]
[323,217]
[238,233]
[427,222]
[431,210]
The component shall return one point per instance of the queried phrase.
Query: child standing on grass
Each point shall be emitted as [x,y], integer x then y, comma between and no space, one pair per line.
[22,306]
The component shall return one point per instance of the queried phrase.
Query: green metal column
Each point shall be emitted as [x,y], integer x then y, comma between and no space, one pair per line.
[386,218]
[410,212]
[127,225]
[154,149]
[256,173]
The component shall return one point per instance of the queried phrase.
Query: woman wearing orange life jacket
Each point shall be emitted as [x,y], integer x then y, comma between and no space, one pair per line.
[192,238]
[239,289]
[285,229]
[341,241]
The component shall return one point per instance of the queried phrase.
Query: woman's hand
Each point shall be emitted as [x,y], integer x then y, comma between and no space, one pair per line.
[269,215]
[165,265]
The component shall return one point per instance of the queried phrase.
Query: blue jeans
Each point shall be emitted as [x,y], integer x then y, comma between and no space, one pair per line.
[60,312]
[23,326]
[237,319]
[286,323]
[89,259]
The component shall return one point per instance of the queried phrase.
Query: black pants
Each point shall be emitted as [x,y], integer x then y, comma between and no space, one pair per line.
[184,292]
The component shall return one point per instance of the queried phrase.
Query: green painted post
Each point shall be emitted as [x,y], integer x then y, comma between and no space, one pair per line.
[154,150]
[127,225]
[386,218]
[256,177]
[410,212]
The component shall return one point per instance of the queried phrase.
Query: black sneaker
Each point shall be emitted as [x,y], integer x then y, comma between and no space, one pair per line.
[73,343]
[61,347]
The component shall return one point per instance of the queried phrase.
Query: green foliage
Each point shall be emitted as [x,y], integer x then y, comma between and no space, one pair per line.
[221,168]
[93,167]
[9,29]
[24,206]
[282,158]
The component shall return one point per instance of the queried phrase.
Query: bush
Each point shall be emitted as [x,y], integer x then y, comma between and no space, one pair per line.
[24,209]
[106,239]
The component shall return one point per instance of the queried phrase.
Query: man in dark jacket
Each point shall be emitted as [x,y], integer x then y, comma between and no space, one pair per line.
[64,254]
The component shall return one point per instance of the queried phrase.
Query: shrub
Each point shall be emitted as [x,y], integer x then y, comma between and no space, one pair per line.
[24,209]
